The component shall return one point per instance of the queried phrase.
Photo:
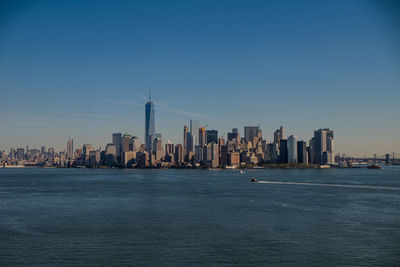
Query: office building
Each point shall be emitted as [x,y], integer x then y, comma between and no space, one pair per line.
[194,130]
[292,149]
[302,152]
[249,133]
[117,141]
[185,134]
[324,145]
[234,136]
[179,155]
[212,136]
[135,144]
[150,128]
[158,149]
[126,143]
[202,137]
[86,151]
[70,149]
[283,151]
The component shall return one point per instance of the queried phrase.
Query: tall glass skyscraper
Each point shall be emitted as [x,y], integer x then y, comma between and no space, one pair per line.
[194,130]
[150,129]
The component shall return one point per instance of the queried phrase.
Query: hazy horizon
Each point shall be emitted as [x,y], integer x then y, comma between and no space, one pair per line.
[83,69]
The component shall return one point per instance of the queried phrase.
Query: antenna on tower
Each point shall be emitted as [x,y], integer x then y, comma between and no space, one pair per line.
[149,95]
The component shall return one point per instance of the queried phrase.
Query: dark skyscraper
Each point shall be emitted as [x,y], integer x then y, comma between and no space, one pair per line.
[117,141]
[234,135]
[250,132]
[301,152]
[283,151]
[150,131]
[212,136]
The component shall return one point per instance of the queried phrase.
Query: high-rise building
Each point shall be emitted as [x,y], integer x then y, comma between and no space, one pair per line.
[234,136]
[150,128]
[20,153]
[158,149]
[223,155]
[249,133]
[292,149]
[324,146]
[271,154]
[185,134]
[202,136]
[282,133]
[194,130]
[212,136]
[283,151]
[126,143]
[135,144]
[179,157]
[279,134]
[117,141]
[111,154]
[169,149]
[70,149]
[302,152]
[86,151]
[210,155]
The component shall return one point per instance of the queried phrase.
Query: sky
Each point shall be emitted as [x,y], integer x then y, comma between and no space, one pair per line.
[82,69]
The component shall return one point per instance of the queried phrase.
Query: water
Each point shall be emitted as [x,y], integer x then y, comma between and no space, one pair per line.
[196,217]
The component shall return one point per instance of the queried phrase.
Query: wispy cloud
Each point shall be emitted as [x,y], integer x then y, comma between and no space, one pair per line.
[123,102]
[27,118]
[168,108]
[90,115]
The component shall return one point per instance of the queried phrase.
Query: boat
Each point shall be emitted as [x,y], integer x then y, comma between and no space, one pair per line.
[374,166]
[241,171]
[253,180]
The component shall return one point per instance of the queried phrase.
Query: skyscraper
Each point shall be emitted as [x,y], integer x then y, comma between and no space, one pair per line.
[117,141]
[86,150]
[234,135]
[150,128]
[279,134]
[70,148]
[194,130]
[202,136]
[185,133]
[126,143]
[323,146]
[135,143]
[283,151]
[212,136]
[292,149]
[179,157]
[302,152]
[158,149]
[249,133]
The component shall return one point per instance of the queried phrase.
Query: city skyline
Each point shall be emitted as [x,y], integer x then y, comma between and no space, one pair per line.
[201,148]
[303,65]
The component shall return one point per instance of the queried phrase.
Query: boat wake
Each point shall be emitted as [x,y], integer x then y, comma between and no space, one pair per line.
[333,185]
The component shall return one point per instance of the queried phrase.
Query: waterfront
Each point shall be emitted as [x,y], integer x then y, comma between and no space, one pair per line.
[183,217]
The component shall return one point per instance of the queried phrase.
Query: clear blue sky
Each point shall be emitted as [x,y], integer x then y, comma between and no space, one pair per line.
[83,68]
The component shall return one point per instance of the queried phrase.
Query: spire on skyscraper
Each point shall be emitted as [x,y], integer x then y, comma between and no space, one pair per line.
[149,95]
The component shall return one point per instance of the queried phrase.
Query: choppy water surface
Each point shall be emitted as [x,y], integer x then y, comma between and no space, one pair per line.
[185,217]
